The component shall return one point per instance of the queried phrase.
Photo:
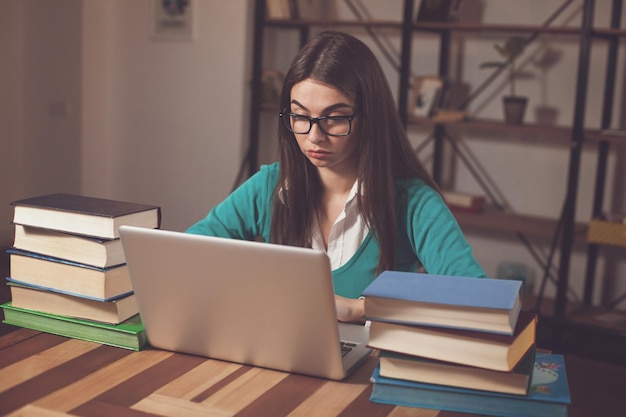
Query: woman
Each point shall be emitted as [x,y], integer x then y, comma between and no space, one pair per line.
[348,181]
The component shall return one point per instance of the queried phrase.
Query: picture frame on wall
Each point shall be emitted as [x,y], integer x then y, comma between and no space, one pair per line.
[173,20]
[425,95]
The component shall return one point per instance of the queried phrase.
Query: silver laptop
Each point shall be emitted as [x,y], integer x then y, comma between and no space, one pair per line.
[253,303]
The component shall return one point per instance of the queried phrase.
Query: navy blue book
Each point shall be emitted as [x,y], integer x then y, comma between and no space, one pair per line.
[548,395]
[478,304]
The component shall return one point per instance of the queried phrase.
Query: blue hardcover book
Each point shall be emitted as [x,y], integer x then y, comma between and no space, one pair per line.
[548,394]
[480,304]
[11,281]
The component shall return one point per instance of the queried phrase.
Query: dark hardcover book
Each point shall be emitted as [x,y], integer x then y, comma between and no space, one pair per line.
[129,335]
[480,304]
[102,253]
[548,394]
[53,302]
[84,215]
[420,369]
[438,10]
[69,277]
[483,350]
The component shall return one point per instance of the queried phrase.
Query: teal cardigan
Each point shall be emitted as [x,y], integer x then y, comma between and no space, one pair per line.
[429,236]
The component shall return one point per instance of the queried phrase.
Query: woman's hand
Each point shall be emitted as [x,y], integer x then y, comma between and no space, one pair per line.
[349,309]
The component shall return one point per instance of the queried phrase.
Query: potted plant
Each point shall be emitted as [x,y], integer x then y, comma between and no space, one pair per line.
[514,105]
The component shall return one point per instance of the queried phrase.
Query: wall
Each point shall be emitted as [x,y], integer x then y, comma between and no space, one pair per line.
[164,121]
[92,104]
[11,79]
[40,101]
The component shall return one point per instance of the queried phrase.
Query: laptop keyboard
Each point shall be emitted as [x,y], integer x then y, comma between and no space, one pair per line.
[346,347]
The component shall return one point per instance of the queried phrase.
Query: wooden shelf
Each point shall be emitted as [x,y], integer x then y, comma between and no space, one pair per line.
[303,23]
[508,28]
[611,321]
[486,27]
[612,136]
[439,27]
[551,133]
[493,220]
[608,32]
[499,125]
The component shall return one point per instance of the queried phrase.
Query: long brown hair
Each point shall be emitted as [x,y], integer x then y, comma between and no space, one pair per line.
[384,155]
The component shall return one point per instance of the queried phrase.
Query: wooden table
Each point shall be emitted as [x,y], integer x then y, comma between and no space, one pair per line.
[43,374]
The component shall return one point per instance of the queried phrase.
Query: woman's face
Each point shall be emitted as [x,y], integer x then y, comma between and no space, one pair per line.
[311,98]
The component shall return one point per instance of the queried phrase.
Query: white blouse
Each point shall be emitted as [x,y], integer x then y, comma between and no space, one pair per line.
[346,235]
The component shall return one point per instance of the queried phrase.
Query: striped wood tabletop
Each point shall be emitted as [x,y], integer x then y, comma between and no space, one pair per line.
[46,375]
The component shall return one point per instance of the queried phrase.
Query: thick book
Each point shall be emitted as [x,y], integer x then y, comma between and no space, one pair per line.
[34,298]
[419,369]
[548,394]
[84,215]
[482,304]
[69,277]
[483,350]
[102,253]
[129,335]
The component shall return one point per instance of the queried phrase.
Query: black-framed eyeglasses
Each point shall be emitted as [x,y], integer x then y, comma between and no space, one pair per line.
[330,125]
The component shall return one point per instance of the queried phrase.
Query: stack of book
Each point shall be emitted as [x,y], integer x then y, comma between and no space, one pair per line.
[68,271]
[460,344]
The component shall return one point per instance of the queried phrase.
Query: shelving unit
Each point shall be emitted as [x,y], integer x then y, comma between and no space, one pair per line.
[565,231]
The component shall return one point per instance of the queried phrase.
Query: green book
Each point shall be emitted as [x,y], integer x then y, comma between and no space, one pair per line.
[129,334]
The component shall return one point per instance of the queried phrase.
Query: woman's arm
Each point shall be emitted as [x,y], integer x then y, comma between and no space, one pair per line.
[349,309]
[436,237]
[246,212]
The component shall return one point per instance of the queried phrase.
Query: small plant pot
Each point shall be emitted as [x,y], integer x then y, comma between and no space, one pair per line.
[514,109]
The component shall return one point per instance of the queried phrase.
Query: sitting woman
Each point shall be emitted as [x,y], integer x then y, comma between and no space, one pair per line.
[348,181]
